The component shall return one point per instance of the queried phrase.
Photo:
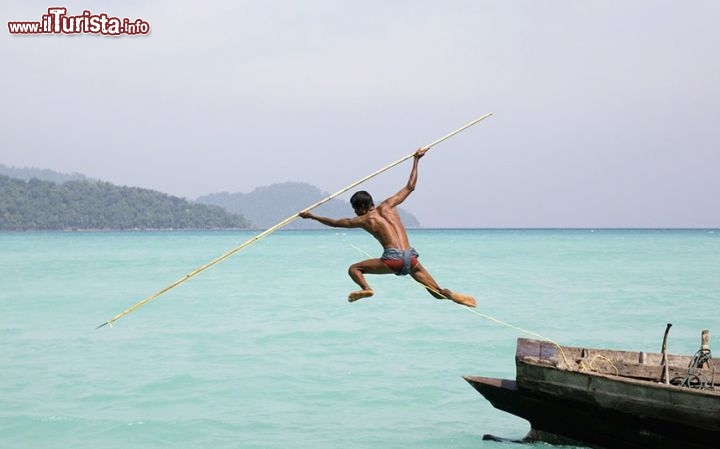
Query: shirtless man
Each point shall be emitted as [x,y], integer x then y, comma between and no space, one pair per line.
[383,222]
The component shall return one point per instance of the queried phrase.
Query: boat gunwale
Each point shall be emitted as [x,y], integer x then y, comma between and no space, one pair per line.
[549,357]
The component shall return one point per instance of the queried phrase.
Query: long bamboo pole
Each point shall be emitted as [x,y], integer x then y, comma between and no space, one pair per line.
[279,225]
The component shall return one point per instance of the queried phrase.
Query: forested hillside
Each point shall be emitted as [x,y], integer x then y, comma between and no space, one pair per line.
[44,205]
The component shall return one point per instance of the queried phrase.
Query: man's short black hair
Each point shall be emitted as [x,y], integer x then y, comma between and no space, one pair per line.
[361,200]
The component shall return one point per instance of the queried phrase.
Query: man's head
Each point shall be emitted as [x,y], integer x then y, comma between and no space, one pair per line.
[362,202]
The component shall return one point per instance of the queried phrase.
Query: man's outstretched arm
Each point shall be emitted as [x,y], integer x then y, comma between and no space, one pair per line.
[335,223]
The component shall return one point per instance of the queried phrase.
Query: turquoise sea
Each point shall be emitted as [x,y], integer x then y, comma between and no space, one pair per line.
[264,351]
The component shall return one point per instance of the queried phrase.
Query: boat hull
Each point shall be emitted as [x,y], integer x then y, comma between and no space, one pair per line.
[605,411]
[567,421]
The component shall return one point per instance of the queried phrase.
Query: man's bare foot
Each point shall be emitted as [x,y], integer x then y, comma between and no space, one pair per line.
[360,294]
[459,298]
[464,300]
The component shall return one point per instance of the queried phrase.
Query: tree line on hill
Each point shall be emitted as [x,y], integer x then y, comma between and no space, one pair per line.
[45,205]
[27,173]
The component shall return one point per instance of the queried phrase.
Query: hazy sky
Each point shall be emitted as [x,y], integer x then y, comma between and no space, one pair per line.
[606,113]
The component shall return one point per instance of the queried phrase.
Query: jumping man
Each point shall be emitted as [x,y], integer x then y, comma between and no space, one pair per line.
[383,223]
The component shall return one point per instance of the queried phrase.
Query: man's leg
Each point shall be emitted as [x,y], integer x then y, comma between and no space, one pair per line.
[357,271]
[420,274]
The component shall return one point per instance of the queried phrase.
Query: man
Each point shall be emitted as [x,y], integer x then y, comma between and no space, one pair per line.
[384,223]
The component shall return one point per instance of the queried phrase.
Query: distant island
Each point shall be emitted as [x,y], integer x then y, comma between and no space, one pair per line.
[267,206]
[35,205]
[38,199]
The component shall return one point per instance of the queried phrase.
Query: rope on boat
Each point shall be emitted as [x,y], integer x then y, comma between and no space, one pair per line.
[589,366]
[696,378]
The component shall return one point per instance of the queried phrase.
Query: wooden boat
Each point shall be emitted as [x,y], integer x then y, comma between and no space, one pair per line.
[609,399]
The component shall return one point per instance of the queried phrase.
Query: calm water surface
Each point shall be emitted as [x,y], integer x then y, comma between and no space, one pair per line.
[263,351]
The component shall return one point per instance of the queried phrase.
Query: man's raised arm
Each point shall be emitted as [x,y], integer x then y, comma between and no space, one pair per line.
[412,181]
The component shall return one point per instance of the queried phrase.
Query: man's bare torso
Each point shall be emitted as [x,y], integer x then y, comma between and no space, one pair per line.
[384,223]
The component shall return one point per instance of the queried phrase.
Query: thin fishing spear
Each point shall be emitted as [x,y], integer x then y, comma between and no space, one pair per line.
[279,225]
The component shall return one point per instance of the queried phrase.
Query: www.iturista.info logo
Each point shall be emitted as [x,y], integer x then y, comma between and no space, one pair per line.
[57,21]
